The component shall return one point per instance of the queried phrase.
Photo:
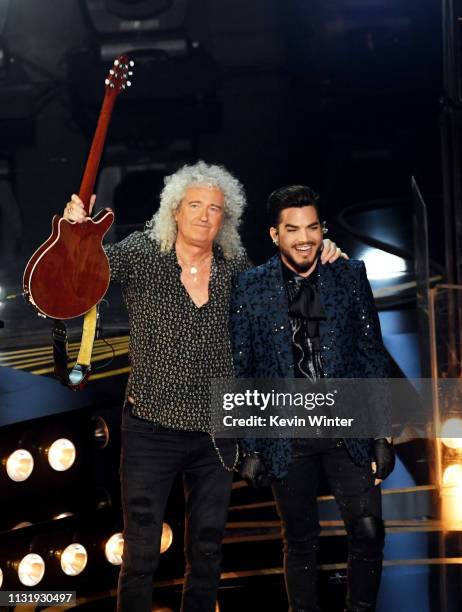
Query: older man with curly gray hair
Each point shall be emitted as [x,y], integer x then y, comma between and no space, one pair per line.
[176,281]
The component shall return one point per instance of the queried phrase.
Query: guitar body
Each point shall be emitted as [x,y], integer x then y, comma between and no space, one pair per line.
[69,273]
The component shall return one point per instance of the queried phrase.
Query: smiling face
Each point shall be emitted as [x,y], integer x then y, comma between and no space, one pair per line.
[299,237]
[200,216]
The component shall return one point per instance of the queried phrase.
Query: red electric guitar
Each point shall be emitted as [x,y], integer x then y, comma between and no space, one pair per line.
[69,273]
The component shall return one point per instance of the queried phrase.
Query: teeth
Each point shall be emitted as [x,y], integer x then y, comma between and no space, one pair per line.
[305,248]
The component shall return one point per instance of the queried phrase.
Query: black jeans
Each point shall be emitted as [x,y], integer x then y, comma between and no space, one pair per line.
[151,457]
[361,509]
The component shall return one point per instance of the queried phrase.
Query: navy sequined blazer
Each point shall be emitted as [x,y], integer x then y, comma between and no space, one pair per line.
[351,340]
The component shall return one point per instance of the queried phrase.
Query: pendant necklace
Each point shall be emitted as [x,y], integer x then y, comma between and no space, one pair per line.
[193,269]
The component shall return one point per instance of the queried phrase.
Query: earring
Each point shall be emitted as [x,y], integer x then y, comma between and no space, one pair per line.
[276,242]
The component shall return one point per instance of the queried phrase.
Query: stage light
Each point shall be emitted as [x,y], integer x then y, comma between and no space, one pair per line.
[451,433]
[21,525]
[31,569]
[101,432]
[452,476]
[381,265]
[167,538]
[62,515]
[122,16]
[74,559]
[114,549]
[19,465]
[451,498]
[61,454]
[1,577]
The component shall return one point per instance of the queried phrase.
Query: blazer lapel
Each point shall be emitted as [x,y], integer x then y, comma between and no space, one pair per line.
[278,317]
[326,286]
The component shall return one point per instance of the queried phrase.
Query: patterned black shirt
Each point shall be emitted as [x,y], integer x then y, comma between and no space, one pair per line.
[175,346]
[305,333]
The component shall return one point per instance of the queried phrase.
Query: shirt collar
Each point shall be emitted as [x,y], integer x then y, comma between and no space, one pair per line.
[291,276]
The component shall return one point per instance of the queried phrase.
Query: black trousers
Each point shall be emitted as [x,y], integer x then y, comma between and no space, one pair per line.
[360,506]
[151,458]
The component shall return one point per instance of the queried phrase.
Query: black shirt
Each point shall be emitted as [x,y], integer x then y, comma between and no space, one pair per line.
[175,346]
[305,312]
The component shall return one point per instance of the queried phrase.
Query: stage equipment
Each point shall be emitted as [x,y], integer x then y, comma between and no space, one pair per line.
[73,559]
[62,515]
[381,265]
[31,569]
[21,525]
[452,476]
[19,465]
[101,432]
[140,16]
[61,455]
[166,539]
[451,433]
[114,546]
[114,549]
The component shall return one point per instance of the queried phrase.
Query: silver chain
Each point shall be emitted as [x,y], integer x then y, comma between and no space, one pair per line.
[236,458]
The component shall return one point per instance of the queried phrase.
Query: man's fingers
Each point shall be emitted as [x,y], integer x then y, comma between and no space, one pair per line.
[76,201]
[329,249]
[374,467]
[377,481]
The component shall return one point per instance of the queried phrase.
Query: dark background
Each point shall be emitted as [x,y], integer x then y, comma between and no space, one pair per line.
[340,94]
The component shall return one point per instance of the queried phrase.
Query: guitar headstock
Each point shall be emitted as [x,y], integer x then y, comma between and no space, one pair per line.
[118,77]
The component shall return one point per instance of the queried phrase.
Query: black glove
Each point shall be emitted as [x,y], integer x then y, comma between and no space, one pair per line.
[384,454]
[253,471]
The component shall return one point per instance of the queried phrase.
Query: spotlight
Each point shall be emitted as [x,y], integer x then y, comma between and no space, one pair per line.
[63,515]
[451,433]
[451,498]
[160,607]
[101,432]
[19,465]
[61,454]
[74,559]
[114,549]
[381,265]
[21,525]
[452,476]
[1,578]
[31,569]
[167,538]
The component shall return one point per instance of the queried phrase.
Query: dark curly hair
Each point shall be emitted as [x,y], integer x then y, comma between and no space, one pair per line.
[291,196]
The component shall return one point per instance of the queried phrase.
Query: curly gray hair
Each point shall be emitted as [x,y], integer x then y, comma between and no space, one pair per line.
[162,227]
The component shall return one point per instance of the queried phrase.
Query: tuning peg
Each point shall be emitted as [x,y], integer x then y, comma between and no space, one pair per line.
[107,81]
[130,73]
[116,62]
[111,71]
[123,86]
[129,84]
[131,63]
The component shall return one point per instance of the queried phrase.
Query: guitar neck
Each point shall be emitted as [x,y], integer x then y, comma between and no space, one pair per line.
[91,169]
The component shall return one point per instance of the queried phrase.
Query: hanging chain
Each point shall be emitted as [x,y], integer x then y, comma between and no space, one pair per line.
[236,458]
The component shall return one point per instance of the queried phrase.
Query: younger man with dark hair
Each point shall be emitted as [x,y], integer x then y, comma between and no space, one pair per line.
[294,318]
